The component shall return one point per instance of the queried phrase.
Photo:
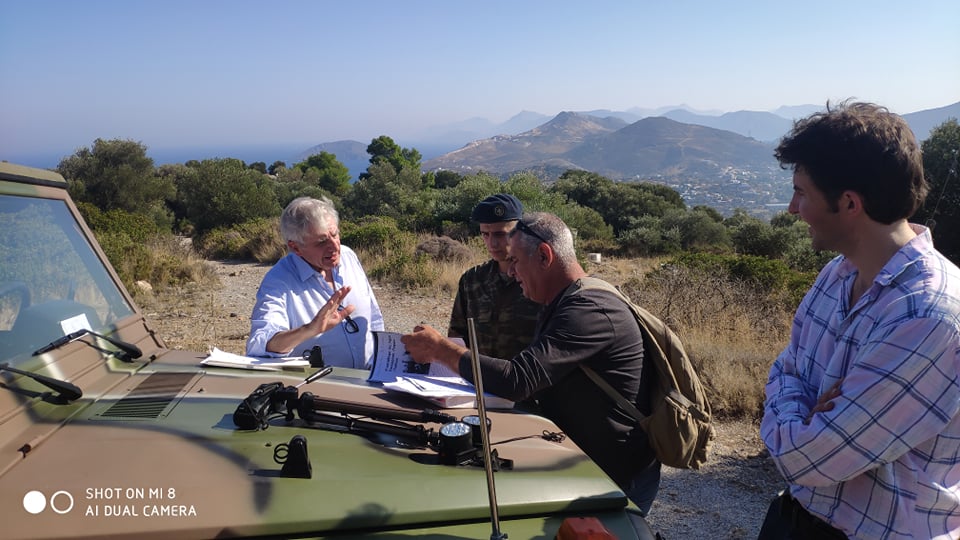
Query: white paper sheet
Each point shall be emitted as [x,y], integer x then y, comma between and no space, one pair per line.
[218,358]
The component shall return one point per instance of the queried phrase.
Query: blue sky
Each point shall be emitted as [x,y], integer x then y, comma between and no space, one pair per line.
[200,73]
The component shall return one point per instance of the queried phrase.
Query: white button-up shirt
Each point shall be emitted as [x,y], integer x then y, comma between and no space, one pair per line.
[292,293]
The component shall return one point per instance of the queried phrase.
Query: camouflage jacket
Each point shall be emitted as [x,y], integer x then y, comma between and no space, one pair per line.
[504,319]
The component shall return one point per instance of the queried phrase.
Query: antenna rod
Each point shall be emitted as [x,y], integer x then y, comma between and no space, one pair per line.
[484,436]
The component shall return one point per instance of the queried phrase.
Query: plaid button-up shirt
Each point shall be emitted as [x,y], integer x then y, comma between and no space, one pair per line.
[885,462]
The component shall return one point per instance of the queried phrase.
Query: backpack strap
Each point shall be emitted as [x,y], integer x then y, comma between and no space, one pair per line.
[630,408]
[678,426]
[616,396]
[660,347]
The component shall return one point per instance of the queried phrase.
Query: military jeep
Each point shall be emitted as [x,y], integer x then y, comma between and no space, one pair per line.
[107,433]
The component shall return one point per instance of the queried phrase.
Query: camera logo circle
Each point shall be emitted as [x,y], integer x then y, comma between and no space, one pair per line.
[35,502]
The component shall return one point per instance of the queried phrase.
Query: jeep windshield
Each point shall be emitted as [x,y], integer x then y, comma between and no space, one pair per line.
[51,281]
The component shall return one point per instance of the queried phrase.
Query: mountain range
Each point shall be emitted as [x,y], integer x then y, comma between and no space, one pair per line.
[650,147]
[721,160]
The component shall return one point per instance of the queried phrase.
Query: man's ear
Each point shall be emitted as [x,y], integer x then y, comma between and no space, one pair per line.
[293,247]
[546,254]
[851,202]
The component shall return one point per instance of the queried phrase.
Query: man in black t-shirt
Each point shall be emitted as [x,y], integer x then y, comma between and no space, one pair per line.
[578,326]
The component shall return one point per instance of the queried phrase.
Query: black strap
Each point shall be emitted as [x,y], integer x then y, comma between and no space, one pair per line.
[631,409]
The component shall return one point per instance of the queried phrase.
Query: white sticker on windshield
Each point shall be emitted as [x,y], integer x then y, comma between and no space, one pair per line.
[77,322]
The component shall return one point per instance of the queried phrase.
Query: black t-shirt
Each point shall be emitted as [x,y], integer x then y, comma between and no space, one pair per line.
[596,328]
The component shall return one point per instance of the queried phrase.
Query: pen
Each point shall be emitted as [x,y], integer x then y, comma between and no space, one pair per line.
[416,384]
[318,374]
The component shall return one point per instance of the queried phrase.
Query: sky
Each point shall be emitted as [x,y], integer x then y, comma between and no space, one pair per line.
[222,73]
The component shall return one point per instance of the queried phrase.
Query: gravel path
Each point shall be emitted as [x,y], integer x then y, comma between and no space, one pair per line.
[726,499]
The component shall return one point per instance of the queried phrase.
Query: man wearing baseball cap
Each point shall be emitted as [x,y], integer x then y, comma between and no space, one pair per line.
[504,319]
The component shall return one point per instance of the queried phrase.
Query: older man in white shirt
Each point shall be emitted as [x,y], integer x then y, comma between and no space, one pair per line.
[318,294]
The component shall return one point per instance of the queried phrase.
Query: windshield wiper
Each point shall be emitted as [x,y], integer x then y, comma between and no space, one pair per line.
[67,391]
[130,351]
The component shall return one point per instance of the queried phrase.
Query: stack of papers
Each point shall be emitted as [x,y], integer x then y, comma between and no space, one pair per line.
[435,382]
[446,392]
[218,358]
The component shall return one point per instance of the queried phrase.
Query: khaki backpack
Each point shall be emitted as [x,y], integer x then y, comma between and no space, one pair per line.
[678,428]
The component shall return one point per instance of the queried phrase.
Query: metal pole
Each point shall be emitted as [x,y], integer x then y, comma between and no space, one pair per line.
[484,436]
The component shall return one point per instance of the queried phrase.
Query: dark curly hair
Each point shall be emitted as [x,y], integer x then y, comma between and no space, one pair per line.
[860,147]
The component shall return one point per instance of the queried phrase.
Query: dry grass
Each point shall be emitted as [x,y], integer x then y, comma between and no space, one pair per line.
[731,331]
[170,261]
[450,271]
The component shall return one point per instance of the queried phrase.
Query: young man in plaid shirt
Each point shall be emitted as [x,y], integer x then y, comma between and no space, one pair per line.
[861,414]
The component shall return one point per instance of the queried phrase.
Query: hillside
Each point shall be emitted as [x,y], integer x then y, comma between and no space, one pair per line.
[660,147]
[542,145]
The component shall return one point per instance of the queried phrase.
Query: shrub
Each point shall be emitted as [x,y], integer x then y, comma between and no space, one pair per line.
[263,240]
[258,240]
[398,263]
[597,245]
[456,230]
[801,256]
[765,274]
[123,236]
[223,244]
[137,227]
[648,237]
[163,260]
[223,193]
[371,233]
[754,237]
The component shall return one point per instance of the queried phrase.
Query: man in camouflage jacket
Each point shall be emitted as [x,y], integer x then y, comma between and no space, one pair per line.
[504,319]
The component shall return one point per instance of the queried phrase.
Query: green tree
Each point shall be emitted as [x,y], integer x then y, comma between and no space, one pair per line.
[293,183]
[628,199]
[384,150]
[327,172]
[446,179]
[258,166]
[710,211]
[753,236]
[941,211]
[179,175]
[385,191]
[583,187]
[699,230]
[620,203]
[116,174]
[226,193]
[276,167]
[648,236]
[534,194]
[586,223]
[455,204]
[784,219]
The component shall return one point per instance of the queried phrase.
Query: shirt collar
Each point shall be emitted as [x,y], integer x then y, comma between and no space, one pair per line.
[305,271]
[903,259]
[912,252]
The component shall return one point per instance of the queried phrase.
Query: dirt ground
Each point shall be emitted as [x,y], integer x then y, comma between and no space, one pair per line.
[727,498]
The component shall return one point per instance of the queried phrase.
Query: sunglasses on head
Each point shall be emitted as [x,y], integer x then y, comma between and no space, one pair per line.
[524,228]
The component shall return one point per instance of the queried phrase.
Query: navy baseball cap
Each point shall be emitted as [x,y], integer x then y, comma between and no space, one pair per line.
[497,208]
